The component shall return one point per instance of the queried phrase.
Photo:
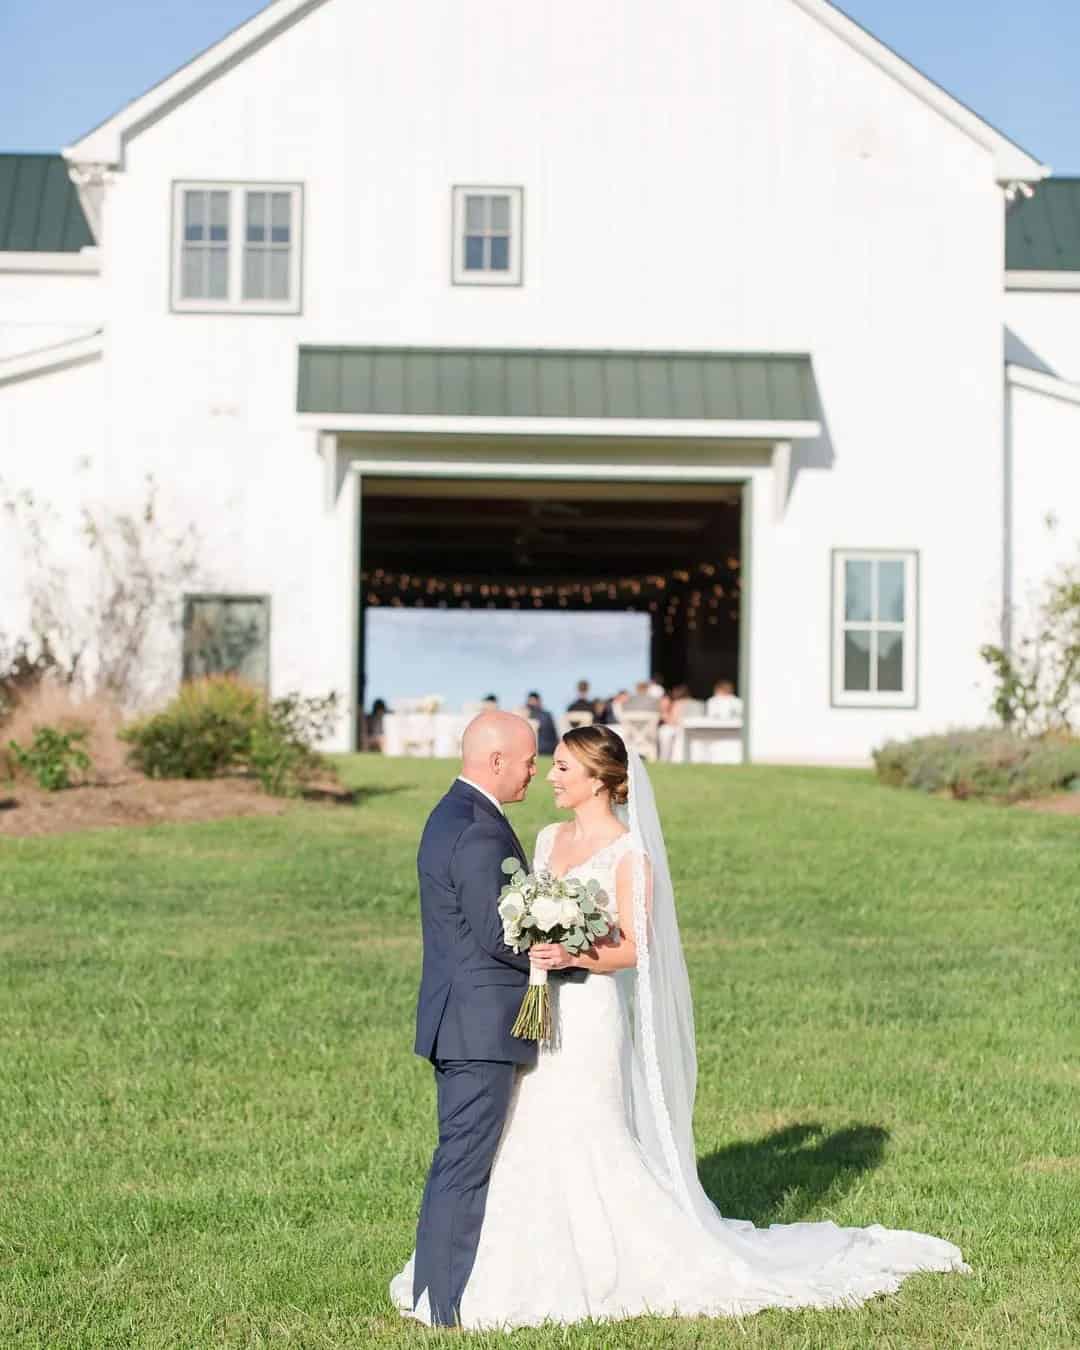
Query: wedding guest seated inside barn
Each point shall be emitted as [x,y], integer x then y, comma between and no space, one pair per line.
[641,700]
[375,724]
[678,706]
[724,703]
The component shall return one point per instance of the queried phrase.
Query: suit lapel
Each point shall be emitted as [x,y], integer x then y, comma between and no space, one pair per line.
[481,803]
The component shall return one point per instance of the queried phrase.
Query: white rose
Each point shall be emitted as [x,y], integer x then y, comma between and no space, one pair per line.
[571,914]
[511,906]
[547,912]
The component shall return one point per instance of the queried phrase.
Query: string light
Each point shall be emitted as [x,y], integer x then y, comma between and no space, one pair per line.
[658,593]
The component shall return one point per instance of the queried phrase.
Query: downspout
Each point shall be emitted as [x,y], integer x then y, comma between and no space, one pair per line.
[1007,524]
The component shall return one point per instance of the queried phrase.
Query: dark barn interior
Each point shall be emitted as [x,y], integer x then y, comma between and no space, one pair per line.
[672,551]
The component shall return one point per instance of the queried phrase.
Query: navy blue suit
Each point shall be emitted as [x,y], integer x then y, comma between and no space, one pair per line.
[470,992]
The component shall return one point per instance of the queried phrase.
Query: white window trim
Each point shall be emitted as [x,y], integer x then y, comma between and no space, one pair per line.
[235,304]
[908,696]
[512,276]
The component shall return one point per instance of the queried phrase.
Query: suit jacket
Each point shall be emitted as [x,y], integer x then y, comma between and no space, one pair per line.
[471,984]
[547,738]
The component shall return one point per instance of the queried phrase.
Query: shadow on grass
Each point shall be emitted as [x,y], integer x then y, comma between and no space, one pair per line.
[783,1176]
[346,796]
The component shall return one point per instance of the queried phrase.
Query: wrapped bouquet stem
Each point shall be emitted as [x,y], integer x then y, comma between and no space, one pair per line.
[539,907]
[533,1022]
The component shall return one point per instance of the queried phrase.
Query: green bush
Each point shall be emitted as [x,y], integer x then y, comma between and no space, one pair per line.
[280,754]
[984,762]
[205,731]
[51,757]
[221,725]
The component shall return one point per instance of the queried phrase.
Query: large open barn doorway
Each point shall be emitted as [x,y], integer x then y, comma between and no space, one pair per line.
[668,553]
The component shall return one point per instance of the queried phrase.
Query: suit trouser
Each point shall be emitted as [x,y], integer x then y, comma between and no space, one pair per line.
[473,1096]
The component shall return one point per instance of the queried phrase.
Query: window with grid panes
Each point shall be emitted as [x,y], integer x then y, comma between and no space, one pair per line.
[487,236]
[237,247]
[875,630]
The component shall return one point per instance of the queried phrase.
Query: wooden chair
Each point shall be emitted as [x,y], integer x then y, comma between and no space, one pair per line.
[640,731]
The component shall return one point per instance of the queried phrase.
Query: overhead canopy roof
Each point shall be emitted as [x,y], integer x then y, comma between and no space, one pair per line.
[1042,232]
[39,207]
[453,382]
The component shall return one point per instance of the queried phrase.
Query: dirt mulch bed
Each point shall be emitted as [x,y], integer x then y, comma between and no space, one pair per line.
[1066,804]
[126,801]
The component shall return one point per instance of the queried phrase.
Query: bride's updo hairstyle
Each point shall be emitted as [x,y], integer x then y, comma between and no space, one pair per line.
[603,753]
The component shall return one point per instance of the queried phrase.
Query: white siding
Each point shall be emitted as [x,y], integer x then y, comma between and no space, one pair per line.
[725,177]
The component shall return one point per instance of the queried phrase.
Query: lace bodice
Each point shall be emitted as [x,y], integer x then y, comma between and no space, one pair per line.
[599,866]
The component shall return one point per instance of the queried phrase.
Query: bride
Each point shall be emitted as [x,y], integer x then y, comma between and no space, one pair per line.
[594,1208]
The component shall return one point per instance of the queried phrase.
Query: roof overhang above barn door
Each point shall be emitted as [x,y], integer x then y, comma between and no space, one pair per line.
[661,395]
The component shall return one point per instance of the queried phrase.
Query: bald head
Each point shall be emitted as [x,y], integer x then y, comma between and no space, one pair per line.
[498,753]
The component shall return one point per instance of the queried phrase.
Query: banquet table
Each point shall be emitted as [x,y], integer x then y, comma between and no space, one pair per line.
[424,735]
[708,740]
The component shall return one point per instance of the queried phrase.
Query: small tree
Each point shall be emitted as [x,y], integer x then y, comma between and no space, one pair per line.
[1038,681]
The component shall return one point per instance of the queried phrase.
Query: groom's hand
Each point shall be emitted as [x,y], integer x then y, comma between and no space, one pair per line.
[550,956]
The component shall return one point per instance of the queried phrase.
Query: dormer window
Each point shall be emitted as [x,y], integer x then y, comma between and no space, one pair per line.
[237,247]
[487,236]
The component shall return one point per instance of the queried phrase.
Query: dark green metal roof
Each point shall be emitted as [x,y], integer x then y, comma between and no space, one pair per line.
[39,207]
[496,382]
[1042,233]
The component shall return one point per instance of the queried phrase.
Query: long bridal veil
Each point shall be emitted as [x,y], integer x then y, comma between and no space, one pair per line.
[793,1264]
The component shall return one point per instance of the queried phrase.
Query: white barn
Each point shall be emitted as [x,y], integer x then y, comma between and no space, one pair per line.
[358,263]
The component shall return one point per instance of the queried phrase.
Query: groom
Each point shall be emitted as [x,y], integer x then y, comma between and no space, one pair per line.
[470,991]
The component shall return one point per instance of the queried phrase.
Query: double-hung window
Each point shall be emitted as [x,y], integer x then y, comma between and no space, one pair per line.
[487,236]
[875,628]
[237,247]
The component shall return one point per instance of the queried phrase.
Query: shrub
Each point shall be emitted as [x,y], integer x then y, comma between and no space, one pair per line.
[21,673]
[51,757]
[203,732]
[222,725]
[985,762]
[281,754]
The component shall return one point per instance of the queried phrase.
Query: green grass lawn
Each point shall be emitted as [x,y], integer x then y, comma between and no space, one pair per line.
[213,1131]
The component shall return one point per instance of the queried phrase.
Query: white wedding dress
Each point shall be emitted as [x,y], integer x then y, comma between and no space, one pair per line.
[583,1222]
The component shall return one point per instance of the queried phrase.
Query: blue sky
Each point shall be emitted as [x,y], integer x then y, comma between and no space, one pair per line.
[65,66]
[470,653]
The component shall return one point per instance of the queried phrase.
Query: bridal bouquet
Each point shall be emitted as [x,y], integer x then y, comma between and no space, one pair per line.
[538,907]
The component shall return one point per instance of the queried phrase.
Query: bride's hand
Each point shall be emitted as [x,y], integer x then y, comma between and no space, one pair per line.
[550,956]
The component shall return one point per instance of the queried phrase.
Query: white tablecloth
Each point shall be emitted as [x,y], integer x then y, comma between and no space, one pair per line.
[708,740]
[425,735]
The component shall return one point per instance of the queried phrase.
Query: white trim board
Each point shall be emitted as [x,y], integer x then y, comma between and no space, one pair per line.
[470,468]
[1038,383]
[87,262]
[594,428]
[60,355]
[1042,281]
[1011,162]
[104,145]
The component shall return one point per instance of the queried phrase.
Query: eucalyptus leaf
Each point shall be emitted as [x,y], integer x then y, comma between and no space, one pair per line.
[511,865]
